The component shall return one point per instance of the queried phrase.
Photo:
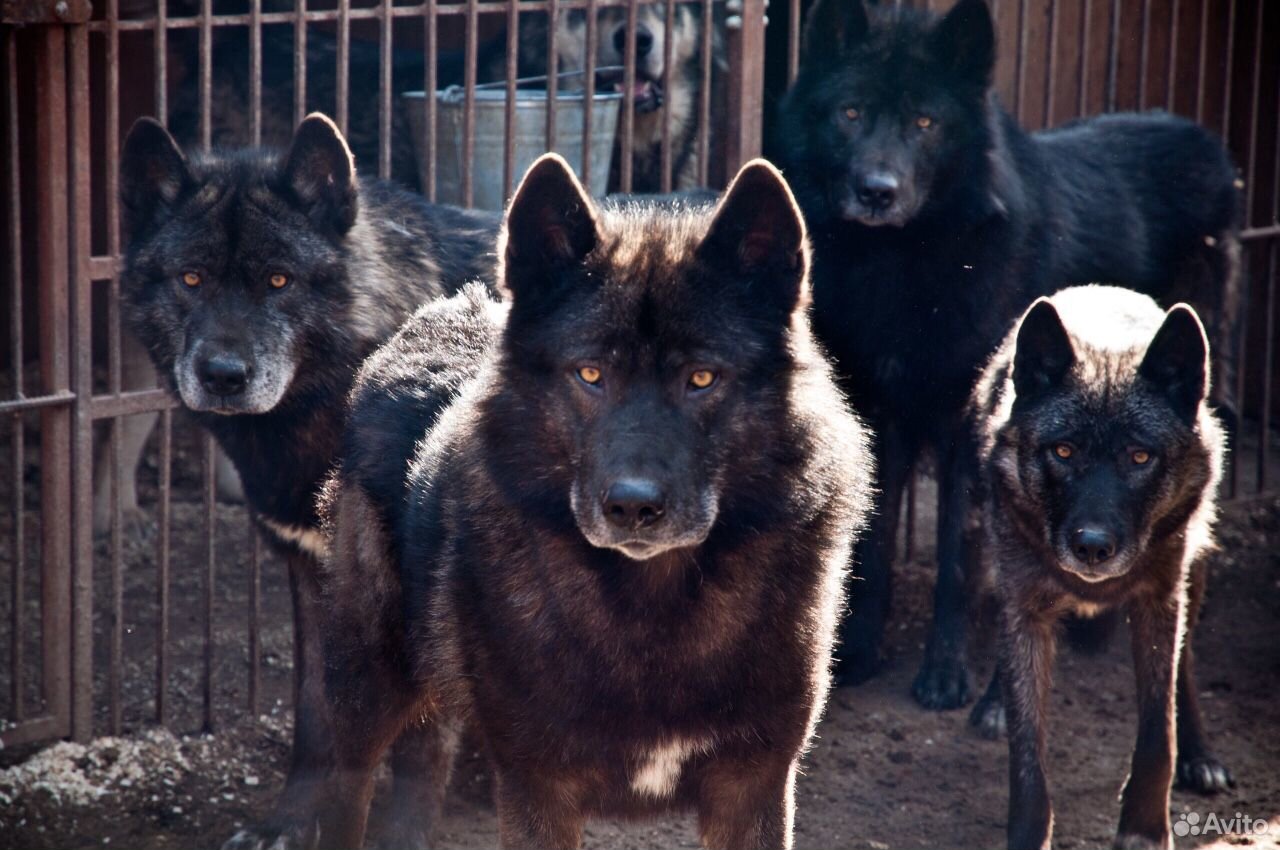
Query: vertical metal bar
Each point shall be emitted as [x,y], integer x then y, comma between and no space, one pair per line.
[342,64]
[1255,109]
[59,607]
[704,96]
[206,73]
[746,86]
[1144,56]
[1172,77]
[1050,72]
[162,567]
[668,54]
[628,125]
[1269,335]
[1233,459]
[429,89]
[588,89]
[1086,22]
[386,46]
[160,59]
[1113,57]
[1226,84]
[255,72]
[17,458]
[118,471]
[255,614]
[793,42]
[1020,67]
[553,81]
[209,472]
[1201,65]
[469,103]
[300,62]
[909,533]
[509,106]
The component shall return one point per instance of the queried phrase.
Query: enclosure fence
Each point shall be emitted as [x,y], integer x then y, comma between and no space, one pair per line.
[76,75]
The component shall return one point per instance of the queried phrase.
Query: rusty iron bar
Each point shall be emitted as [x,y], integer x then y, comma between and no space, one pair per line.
[746,86]
[342,64]
[627,127]
[206,73]
[1201,65]
[17,450]
[22,12]
[668,53]
[1113,57]
[509,104]
[1269,332]
[553,80]
[386,46]
[255,614]
[209,481]
[1082,80]
[1051,40]
[255,72]
[704,97]
[300,18]
[469,101]
[429,24]
[1144,54]
[1171,77]
[164,511]
[793,41]
[1020,66]
[588,89]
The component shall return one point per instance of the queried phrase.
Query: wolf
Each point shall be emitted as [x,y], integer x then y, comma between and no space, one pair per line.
[661,95]
[258,281]
[620,546]
[936,220]
[1100,466]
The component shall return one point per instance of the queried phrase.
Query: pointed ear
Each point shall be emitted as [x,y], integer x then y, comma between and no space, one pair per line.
[833,27]
[1176,362]
[757,233]
[153,174]
[550,225]
[321,172]
[964,41]
[1043,354]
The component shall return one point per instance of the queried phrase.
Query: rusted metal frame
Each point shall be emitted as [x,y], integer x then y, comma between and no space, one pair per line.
[255,72]
[704,95]
[342,63]
[1082,79]
[509,105]
[16,406]
[255,614]
[1020,65]
[1144,54]
[21,12]
[746,86]
[628,124]
[469,102]
[206,73]
[1253,234]
[430,39]
[793,41]
[209,475]
[162,566]
[160,57]
[40,728]
[300,18]
[553,78]
[1051,66]
[1202,66]
[1225,131]
[386,43]
[668,54]
[17,456]
[66,587]
[1113,57]
[130,402]
[1242,352]
[1255,110]
[1172,75]
[589,88]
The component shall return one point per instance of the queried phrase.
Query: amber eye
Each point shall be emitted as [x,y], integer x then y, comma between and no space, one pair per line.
[852,114]
[1140,457]
[702,378]
[589,375]
[279,281]
[1063,451]
[924,122]
[191,278]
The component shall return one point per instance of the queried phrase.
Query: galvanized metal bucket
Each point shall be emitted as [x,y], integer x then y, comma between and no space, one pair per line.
[529,130]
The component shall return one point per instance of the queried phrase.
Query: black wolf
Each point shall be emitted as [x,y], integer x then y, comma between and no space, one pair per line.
[673,95]
[1100,464]
[258,283]
[620,547]
[936,220]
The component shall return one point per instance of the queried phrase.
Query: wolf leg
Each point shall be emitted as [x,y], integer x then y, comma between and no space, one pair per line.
[870,589]
[1144,810]
[1198,769]
[943,680]
[988,716]
[747,805]
[537,812]
[136,373]
[421,762]
[1026,661]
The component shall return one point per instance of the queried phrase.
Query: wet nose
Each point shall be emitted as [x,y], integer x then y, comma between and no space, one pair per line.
[634,503]
[644,40]
[878,190]
[1093,545]
[224,374]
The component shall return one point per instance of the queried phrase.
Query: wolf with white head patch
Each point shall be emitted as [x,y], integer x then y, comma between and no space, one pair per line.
[1100,470]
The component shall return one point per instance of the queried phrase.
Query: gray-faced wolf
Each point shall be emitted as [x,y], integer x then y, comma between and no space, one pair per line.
[258,282]
[620,544]
[661,94]
[936,220]
[1100,466]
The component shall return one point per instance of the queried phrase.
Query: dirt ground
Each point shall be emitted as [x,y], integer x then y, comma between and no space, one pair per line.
[882,774]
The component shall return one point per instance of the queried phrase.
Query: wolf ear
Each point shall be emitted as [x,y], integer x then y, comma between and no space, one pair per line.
[550,226]
[321,173]
[833,27]
[1043,355]
[153,174]
[1176,362]
[757,232]
[964,41]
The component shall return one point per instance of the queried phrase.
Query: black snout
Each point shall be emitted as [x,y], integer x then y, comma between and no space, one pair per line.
[877,191]
[644,40]
[1092,545]
[634,503]
[224,374]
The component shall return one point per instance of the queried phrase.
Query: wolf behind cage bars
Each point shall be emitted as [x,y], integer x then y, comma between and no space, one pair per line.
[171,616]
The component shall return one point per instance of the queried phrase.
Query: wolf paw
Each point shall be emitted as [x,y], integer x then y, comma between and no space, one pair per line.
[1142,842]
[942,684]
[271,837]
[988,719]
[1204,775]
